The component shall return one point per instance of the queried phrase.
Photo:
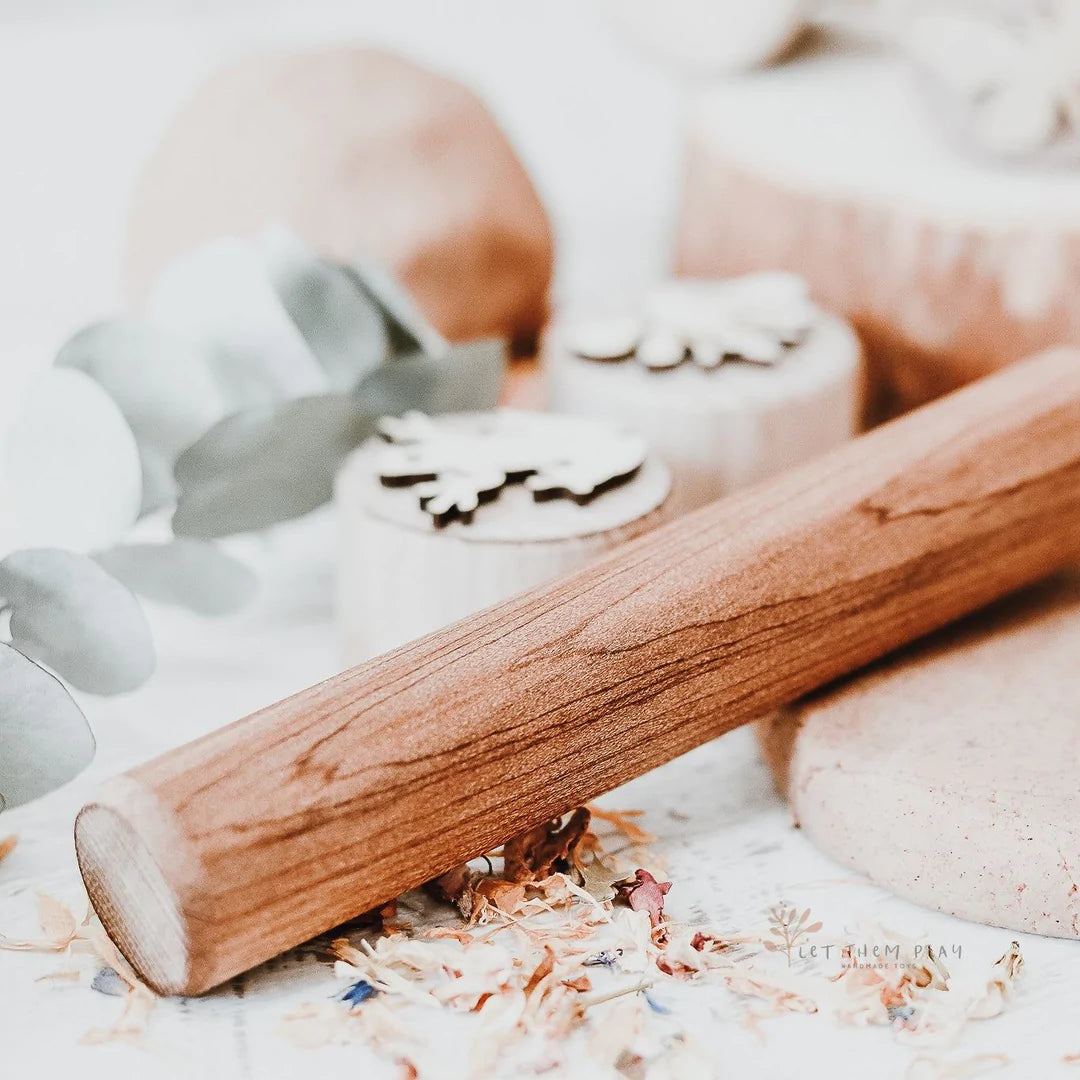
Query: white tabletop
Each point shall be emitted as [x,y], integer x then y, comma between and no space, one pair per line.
[80,100]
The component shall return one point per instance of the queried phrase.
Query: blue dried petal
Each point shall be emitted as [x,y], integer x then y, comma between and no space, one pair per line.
[605,958]
[901,1012]
[660,1010]
[107,981]
[358,993]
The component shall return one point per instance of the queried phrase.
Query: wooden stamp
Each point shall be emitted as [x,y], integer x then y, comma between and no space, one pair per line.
[447,515]
[729,381]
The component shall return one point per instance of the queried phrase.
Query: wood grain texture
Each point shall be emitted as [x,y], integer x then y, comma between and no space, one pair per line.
[926,297]
[315,809]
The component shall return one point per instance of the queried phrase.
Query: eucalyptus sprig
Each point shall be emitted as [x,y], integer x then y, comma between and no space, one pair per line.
[258,367]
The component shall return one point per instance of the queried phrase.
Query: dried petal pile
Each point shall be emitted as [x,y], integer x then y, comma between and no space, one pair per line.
[557,941]
[564,938]
[559,932]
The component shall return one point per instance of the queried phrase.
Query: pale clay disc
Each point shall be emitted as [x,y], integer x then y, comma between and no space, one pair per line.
[400,577]
[722,428]
[949,774]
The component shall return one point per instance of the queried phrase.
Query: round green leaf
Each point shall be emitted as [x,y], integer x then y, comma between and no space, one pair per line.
[409,327]
[163,386]
[340,321]
[44,739]
[467,379]
[188,573]
[73,475]
[266,465]
[220,298]
[71,615]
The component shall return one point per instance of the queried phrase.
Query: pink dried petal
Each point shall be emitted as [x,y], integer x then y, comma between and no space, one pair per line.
[647,894]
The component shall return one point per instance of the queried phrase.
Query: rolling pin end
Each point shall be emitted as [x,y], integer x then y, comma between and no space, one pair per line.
[129,851]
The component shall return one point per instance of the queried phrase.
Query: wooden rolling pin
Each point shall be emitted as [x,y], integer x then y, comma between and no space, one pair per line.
[222,853]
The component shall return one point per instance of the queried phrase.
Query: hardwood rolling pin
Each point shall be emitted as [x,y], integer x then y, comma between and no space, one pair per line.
[227,851]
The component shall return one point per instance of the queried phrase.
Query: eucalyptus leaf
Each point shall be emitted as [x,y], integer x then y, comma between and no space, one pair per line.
[467,379]
[220,297]
[194,574]
[266,465]
[341,322]
[72,472]
[44,738]
[70,614]
[163,386]
[410,329]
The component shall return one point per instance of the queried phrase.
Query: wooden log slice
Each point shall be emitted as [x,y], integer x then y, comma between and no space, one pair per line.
[947,266]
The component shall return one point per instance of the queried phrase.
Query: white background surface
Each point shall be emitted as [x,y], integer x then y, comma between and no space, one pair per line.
[82,93]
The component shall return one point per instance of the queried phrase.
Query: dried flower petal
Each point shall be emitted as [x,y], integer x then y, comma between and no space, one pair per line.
[359,992]
[623,821]
[709,943]
[517,969]
[505,895]
[107,981]
[451,885]
[604,958]
[599,880]
[999,987]
[57,921]
[645,893]
[545,850]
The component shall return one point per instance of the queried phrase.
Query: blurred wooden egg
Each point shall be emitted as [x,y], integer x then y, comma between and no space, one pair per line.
[356,150]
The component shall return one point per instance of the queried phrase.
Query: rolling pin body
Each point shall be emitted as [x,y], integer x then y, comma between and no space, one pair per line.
[223,853]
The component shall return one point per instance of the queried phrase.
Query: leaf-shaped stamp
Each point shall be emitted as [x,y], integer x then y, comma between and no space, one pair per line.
[757,318]
[454,468]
